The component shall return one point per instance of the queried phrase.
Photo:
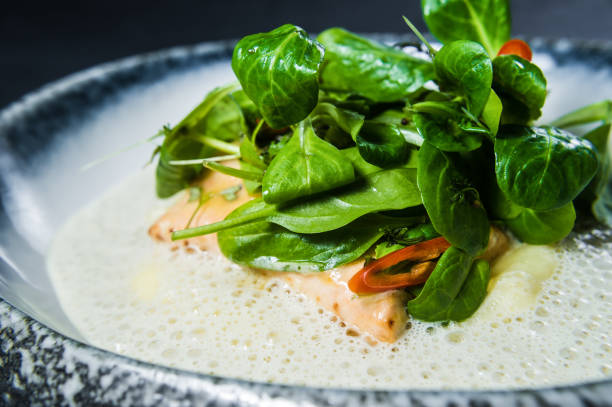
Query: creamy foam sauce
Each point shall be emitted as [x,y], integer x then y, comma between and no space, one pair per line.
[546,321]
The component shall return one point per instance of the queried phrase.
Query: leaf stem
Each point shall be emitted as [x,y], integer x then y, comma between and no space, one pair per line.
[220,145]
[256,130]
[420,36]
[433,108]
[224,224]
[115,153]
[204,160]
[234,172]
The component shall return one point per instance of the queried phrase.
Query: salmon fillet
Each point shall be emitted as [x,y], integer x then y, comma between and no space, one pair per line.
[381,315]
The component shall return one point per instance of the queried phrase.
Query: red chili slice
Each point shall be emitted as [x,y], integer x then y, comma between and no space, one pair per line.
[516,47]
[370,280]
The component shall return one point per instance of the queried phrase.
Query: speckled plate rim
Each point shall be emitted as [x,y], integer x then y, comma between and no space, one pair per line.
[42,365]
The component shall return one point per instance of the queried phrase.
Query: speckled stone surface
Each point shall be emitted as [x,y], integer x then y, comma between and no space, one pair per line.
[41,367]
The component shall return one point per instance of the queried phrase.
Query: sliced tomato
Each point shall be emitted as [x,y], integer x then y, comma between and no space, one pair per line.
[516,47]
[370,279]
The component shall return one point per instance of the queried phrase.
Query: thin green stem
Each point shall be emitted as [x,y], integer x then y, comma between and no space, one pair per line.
[600,111]
[234,172]
[256,130]
[224,224]
[202,161]
[220,145]
[420,36]
[433,108]
[120,151]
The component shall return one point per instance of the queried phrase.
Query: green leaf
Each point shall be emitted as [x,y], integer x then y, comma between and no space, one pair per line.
[279,70]
[272,247]
[600,111]
[181,142]
[382,145]
[472,293]
[452,202]
[491,114]
[542,168]
[521,86]
[484,21]
[442,286]
[224,121]
[384,248]
[362,167]
[374,71]
[464,67]
[447,132]
[249,110]
[307,165]
[380,191]
[543,227]
[400,120]
[170,179]
[348,121]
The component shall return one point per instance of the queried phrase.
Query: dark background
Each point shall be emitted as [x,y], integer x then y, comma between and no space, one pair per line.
[44,41]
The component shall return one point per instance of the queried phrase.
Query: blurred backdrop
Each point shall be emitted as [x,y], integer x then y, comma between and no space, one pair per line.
[46,40]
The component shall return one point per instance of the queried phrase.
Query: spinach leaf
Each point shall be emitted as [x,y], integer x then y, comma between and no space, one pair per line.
[600,111]
[399,238]
[225,121]
[272,247]
[491,114]
[306,165]
[374,71]
[278,71]
[350,122]
[442,286]
[400,120]
[249,110]
[472,293]
[380,191]
[484,21]
[362,167]
[543,227]
[448,132]
[595,193]
[521,86]
[452,202]
[382,145]
[464,67]
[180,142]
[170,179]
[542,168]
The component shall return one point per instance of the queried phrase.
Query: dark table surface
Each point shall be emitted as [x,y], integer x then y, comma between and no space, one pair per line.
[44,41]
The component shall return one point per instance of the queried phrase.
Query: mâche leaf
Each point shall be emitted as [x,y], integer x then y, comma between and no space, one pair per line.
[542,168]
[305,166]
[543,227]
[379,191]
[451,199]
[279,71]
[521,86]
[484,21]
[465,68]
[374,71]
[442,287]
[272,247]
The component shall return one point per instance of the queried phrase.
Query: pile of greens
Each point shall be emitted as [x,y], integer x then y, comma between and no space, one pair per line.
[356,148]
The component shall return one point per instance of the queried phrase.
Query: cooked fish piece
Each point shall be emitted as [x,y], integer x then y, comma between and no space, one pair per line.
[381,316]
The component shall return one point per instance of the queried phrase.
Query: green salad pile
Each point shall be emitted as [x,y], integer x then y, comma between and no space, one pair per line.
[354,148]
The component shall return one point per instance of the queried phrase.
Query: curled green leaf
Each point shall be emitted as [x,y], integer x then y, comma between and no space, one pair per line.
[279,71]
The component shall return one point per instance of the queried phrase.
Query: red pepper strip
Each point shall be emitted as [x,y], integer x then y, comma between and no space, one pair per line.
[516,47]
[370,280]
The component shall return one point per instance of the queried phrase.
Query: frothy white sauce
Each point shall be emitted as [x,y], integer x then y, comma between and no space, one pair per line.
[197,311]
[548,320]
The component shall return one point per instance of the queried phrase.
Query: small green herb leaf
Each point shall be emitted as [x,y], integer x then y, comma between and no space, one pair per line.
[472,293]
[307,165]
[374,71]
[521,86]
[279,72]
[543,227]
[484,21]
[452,202]
[464,67]
[542,168]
